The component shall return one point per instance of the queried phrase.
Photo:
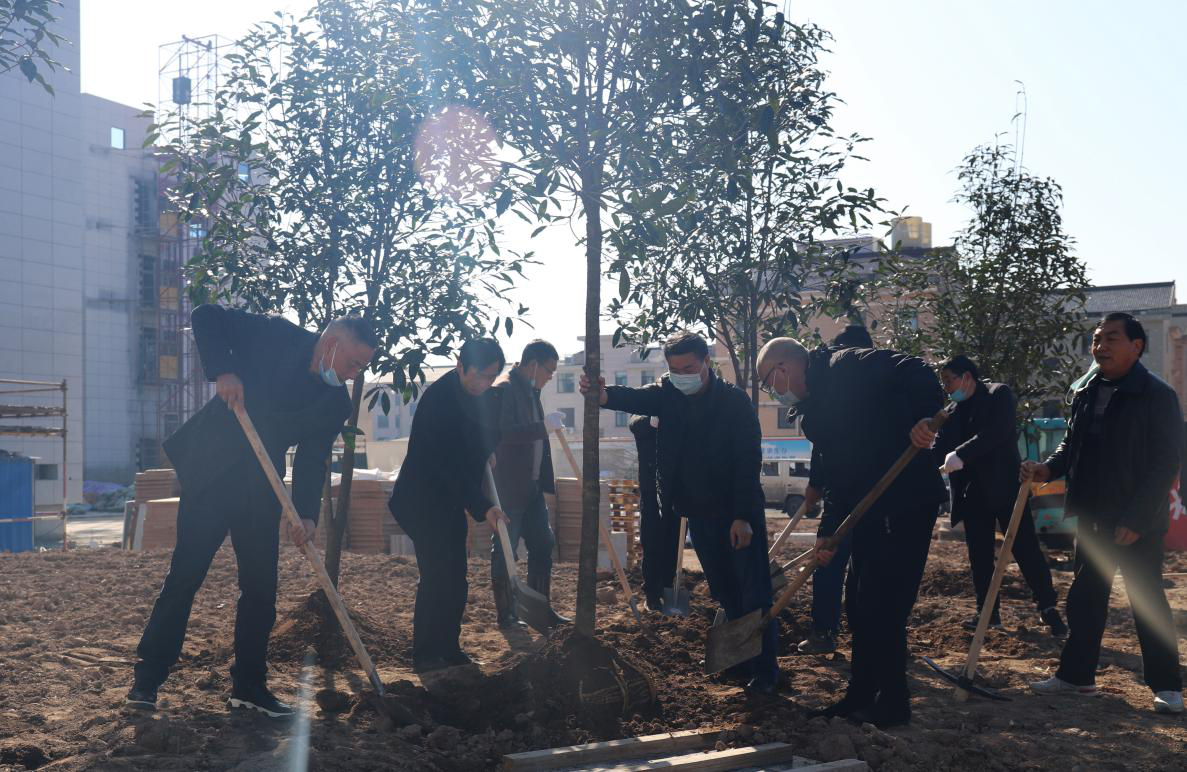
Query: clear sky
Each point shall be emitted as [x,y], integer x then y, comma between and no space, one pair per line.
[927,80]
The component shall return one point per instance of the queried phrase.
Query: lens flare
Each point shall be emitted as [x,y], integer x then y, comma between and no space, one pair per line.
[456,154]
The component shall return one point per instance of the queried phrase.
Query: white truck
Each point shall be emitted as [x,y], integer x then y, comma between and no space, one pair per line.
[785,465]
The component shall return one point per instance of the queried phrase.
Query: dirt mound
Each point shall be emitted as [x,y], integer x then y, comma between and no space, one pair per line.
[312,624]
[23,756]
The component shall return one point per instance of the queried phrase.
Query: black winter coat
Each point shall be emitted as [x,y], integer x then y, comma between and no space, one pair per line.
[983,431]
[453,434]
[1141,446]
[521,425]
[732,446]
[288,405]
[859,412]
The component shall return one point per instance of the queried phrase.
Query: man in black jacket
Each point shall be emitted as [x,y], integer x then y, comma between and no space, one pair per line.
[1121,455]
[523,475]
[290,381]
[978,448]
[454,434]
[709,457]
[659,529]
[860,408]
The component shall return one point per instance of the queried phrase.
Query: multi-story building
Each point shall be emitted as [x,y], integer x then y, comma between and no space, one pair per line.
[42,325]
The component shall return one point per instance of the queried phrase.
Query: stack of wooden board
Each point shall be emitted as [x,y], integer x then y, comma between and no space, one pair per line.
[155,484]
[369,523]
[624,516]
[160,524]
[568,516]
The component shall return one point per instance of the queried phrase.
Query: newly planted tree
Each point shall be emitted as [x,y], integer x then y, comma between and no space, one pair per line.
[758,188]
[336,174]
[590,96]
[1009,293]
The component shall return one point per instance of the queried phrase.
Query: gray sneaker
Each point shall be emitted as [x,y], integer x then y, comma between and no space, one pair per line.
[1056,685]
[818,643]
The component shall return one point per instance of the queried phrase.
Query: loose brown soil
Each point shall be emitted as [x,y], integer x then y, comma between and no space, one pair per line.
[69,624]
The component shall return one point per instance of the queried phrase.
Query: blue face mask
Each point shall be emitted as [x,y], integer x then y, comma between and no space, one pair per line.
[328,374]
[958,395]
[787,398]
[687,384]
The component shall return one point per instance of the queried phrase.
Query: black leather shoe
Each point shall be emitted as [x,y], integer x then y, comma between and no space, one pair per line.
[843,708]
[1054,622]
[761,687]
[429,664]
[142,697]
[460,658]
[259,698]
[881,717]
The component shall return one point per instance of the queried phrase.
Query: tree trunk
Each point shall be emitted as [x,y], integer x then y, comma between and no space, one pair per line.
[587,563]
[337,524]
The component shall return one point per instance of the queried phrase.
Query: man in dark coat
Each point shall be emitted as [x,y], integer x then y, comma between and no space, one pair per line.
[523,475]
[659,529]
[1121,455]
[453,437]
[290,381]
[978,448]
[860,408]
[709,457]
[829,581]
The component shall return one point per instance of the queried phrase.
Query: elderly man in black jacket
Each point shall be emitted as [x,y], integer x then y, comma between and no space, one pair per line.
[290,381]
[523,475]
[709,457]
[1121,456]
[454,434]
[860,407]
[978,448]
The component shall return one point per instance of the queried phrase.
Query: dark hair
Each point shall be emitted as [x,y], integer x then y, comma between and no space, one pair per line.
[686,343]
[481,353]
[360,329]
[1133,328]
[854,336]
[539,350]
[959,365]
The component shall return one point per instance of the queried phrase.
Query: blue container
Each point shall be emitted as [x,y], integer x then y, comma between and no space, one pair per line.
[16,501]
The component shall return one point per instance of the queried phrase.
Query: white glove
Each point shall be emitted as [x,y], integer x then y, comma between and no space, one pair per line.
[654,422]
[554,421]
[952,463]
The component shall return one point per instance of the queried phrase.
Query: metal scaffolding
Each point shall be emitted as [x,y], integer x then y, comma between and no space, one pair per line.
[9,411]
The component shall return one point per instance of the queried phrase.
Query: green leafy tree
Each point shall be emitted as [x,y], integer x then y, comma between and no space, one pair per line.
[759,187]
[337,174]
[1010,291]
[590,95]
[27,36]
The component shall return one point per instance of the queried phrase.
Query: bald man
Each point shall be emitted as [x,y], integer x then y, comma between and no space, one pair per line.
[291,382]
[860,408]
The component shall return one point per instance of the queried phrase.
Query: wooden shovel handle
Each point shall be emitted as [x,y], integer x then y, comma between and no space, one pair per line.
[501,528]
[309,550]
[680,554]
[787,529]
[999,570]
[605,534]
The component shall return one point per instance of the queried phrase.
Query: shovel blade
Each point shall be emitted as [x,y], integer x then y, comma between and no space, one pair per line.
[965,683]
[675,602]
[778,577]
[734,642]
[533,608]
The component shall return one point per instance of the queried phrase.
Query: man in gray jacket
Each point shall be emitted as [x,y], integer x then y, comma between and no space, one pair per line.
[523,474]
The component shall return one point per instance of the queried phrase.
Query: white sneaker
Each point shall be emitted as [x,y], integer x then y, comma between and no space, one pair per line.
[1168,702]
[1056,685]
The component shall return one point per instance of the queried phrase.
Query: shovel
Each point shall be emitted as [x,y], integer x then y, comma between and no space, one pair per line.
[964,681]
[778,579]
[676,596]
[319,570]
[605,534]
[740,640]
[533,607]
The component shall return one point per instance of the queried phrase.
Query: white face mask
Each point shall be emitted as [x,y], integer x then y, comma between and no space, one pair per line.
[687,384]
[329,374]
[786,398]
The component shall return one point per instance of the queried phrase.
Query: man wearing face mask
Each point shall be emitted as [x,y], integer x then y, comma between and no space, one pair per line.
[978,448]
[290,381]
[709,456]
[454,434]
[523,475]
[860,408]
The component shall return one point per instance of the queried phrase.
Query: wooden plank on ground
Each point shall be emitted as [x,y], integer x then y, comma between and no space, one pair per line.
[647,746]
[844,765]
[731,758]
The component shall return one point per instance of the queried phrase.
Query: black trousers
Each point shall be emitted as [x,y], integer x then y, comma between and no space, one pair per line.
[887,566]
[440,543]
[979,535]
[530,523]
[659,537]
[203,521]
[1097,559]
